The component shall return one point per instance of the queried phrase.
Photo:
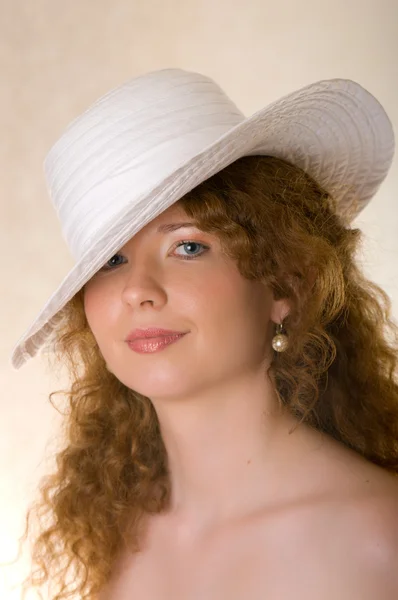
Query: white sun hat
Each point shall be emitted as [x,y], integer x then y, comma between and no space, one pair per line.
[142,146]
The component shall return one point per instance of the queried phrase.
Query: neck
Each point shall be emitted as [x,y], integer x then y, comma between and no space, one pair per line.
[229,449]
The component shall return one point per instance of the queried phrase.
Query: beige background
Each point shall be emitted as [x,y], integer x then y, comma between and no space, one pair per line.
[57,57]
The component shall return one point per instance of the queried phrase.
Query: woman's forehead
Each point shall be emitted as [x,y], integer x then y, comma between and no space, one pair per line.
[174,212]
[170,220]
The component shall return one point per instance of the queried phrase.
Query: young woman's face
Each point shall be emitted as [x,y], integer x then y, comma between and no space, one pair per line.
[157,281]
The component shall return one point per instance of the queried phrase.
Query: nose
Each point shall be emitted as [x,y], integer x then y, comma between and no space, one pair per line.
[143,284]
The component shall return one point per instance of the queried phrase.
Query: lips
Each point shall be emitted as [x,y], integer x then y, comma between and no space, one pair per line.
[153,344]
[151,332]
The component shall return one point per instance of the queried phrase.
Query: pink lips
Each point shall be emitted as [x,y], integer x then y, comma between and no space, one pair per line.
[150,332]
[153,344]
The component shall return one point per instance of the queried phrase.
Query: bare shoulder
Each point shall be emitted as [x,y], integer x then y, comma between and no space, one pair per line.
[374,539]
[363,521]
[370,490]
[377,512]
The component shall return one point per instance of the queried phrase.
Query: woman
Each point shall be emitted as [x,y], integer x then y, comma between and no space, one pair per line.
[250,449]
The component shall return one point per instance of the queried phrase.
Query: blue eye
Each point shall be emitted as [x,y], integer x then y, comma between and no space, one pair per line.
[108,267]
[191,243]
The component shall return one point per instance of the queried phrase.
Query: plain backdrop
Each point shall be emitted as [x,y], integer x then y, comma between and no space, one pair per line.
[56,58]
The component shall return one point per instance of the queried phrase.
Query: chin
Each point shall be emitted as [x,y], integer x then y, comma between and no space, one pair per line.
[162,385]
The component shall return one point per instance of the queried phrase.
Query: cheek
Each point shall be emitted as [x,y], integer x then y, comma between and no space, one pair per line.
[240,308]
[98,307]
[221,304]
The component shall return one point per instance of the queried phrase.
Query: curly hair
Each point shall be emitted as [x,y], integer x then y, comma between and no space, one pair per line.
[339,373]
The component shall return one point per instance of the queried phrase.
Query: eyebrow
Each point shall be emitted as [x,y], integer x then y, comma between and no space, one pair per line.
[167,227]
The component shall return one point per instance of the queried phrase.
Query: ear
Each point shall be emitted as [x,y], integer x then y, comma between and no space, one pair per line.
[280,309]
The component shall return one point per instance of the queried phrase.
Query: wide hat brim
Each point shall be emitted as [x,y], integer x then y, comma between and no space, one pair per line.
[334,129]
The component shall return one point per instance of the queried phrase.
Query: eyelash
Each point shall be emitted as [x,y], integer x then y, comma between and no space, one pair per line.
[177,245]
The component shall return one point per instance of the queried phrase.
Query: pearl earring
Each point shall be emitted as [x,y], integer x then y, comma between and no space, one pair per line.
[280,341]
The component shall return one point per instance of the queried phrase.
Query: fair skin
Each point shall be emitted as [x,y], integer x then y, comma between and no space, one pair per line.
[239,476]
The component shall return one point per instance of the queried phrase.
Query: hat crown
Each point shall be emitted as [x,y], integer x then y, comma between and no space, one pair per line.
[132,138]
